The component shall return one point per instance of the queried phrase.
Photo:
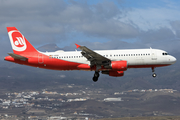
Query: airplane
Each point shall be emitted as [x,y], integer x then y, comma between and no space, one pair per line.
[111,62]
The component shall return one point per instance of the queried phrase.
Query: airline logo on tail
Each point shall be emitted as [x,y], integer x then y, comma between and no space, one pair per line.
[17,40]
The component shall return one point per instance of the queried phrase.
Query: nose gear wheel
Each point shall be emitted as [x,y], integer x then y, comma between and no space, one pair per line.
[154,74]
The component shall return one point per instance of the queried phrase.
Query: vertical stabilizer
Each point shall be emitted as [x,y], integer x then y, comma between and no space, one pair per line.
[19,43]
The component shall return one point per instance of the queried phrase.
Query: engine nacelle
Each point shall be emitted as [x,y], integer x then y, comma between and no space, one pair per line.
[119,65]
[114,73]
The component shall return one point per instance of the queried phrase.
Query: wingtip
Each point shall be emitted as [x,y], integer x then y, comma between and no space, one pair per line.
[77,46]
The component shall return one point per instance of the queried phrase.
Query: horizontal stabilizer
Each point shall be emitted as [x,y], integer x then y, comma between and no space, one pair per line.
[15,56]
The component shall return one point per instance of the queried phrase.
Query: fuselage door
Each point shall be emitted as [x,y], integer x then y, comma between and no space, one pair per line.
[40,59]
[153,55]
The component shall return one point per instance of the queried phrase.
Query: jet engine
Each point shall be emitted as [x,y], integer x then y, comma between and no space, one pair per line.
[113,73]
[117,65]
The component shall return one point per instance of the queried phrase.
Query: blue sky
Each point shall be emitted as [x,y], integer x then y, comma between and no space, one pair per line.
[97,24]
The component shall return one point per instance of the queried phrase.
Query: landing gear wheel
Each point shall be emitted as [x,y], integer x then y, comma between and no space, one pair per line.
[96,76]
[95,79]
[154,75]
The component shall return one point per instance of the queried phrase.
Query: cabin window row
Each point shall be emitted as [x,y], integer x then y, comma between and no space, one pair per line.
[127,55]
[66,57]
[103,55]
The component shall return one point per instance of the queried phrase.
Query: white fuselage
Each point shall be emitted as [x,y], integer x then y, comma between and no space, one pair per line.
[134,57]
[110,62]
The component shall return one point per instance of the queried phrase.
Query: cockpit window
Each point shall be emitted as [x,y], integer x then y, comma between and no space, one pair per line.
[165,54]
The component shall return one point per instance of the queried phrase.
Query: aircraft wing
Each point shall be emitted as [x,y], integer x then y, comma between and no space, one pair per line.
[93,57]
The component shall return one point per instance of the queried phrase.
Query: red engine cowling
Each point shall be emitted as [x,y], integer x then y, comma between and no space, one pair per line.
[116,73]
[113,73]
[119,65]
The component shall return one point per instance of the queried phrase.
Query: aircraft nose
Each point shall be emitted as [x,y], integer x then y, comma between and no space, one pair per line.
[173,59]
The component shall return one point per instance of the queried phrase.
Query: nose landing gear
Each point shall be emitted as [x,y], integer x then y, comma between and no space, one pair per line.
[154,74]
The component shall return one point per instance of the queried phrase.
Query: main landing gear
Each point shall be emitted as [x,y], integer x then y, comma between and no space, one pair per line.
[96,76]
[154,74]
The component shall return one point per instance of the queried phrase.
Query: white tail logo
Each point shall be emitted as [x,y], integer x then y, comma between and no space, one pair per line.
[17,40]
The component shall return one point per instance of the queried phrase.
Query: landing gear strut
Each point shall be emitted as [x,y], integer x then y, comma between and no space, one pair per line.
[154,74]
[96,76]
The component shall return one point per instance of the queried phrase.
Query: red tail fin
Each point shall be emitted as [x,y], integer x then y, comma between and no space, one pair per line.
[19,43]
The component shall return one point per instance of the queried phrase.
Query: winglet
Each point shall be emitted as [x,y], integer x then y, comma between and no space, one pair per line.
[77,46]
